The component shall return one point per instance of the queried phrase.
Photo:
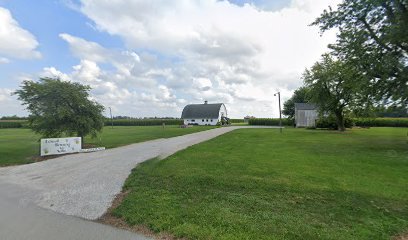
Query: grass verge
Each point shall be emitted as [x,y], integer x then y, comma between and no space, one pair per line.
[259,184]
[21,146]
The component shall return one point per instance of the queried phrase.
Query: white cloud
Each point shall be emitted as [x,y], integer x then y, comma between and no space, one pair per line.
[4,60]
[9,104]
[15,42]
[86,72]
[202,84]
[86,49]
[213,50]
[180,52]
[52,72]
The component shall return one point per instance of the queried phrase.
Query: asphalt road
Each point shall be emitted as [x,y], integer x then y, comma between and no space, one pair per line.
[21,220]
[81,185]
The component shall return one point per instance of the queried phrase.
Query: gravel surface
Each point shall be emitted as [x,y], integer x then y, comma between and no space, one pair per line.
[85,184]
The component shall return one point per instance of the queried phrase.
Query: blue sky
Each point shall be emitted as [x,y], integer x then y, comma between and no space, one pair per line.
[150,58]
[46,19]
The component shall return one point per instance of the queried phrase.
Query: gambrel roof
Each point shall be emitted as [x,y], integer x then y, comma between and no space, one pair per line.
[201,110]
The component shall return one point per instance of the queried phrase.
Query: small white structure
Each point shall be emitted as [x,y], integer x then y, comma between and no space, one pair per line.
[305,115]
[54,146]
[204,114]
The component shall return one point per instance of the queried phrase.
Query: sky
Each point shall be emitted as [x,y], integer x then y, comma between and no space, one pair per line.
[151,58]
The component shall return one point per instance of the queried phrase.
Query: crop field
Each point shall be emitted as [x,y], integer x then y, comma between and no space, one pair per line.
[21,145]
[259,184]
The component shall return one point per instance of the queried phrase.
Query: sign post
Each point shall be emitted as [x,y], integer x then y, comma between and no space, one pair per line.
[280,112]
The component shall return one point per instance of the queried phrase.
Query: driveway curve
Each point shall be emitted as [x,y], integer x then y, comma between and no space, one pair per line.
[85,184]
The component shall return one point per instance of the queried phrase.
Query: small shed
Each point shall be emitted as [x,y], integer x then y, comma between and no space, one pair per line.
[305,115]
[204,114]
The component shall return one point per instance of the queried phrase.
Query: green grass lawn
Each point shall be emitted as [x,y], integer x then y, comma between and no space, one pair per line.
[19,146]
[259,184]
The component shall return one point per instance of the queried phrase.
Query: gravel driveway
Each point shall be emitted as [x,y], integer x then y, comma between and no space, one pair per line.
[84,185]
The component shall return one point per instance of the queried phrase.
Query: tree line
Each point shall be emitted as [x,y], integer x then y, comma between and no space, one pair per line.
[366,68]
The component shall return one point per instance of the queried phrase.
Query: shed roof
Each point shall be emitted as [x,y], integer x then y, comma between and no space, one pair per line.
[201,110]
[305,106]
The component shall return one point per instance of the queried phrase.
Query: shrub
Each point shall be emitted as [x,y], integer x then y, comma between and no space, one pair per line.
[330,122]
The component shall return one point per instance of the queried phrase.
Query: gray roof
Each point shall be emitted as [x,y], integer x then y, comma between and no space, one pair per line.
[201,110]
[305,106]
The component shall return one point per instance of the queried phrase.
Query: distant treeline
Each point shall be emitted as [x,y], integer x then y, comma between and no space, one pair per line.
[322,123]
[328,123]
[236,120]
[14,117]
[270,121]
[13,123]
[141,118]
[380,122]
[143,122]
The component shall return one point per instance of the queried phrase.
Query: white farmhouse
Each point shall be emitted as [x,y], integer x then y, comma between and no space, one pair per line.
[204,114]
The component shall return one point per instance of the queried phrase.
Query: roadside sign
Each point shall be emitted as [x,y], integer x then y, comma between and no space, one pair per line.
[53,146]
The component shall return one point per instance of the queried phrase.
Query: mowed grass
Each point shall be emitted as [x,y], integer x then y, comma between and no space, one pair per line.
[21,146]
[124,135]
[259,184]
[18,146]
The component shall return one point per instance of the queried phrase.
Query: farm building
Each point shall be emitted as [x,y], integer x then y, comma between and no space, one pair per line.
[204,114]
[305,115]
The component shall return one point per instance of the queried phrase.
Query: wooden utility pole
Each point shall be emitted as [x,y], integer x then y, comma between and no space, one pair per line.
[110,110]
[280,112]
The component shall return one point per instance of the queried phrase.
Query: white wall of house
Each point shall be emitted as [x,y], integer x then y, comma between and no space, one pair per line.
[201,121]
[223,112]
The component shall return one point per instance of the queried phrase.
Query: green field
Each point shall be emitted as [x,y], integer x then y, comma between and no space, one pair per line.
[19,145]
[259,184]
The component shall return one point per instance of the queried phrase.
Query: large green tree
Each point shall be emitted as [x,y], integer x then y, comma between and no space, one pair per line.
[373,36]
[61,108]
[299,96]
[333,85]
